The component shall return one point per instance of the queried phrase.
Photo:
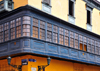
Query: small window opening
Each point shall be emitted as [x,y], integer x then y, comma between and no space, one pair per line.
[71,11]
[88,17]
[83,47]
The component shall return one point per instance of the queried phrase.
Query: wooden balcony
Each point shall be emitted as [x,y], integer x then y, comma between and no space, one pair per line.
[18,26]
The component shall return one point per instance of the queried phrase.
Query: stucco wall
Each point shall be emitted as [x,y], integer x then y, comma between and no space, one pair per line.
[55,64]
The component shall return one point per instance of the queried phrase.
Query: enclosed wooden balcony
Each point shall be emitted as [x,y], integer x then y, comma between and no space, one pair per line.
[28,30]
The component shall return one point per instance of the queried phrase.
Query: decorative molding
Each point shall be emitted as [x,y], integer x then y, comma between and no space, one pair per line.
[64,51]
[46,8]
[38,45]
[26,43]
[71,19]
[15,44]
[52,48]
[89,27]
[92,4]
[3,47]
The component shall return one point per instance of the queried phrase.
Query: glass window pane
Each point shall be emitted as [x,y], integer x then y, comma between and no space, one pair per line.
[18,31]
[66,40]
[6,33]
[49,27]
[1,37]
[49,36]
[76,36]
[18,21]
[35,32]
[35,22]
[55,29]
[12,31]
[61,31]
[42,24]
[71,34]
[71,42]
[89,48]
[66,33]
[42,34]
[12,23]
[81,37]
[55,38]
[61,39]
[76,44]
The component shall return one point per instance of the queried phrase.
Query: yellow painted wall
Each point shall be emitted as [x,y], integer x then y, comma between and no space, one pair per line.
[35,3]
[19,3]
[80,13]
[55,65]
[96,21]
[60,9]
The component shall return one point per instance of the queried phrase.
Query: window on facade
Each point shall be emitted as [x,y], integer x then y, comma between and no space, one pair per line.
[71,7]
[55,34]
[1,33]
[88,17]
[93,46]
[97,47]
[71,39]
[6,31]
[89,45]
[76,40]
[85,44]
[46,2]
[42,30]
[49,32]
[26,26]
[18,27]
[66,37]
[35,27]
[46,6]
[12,29]
[61,36]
